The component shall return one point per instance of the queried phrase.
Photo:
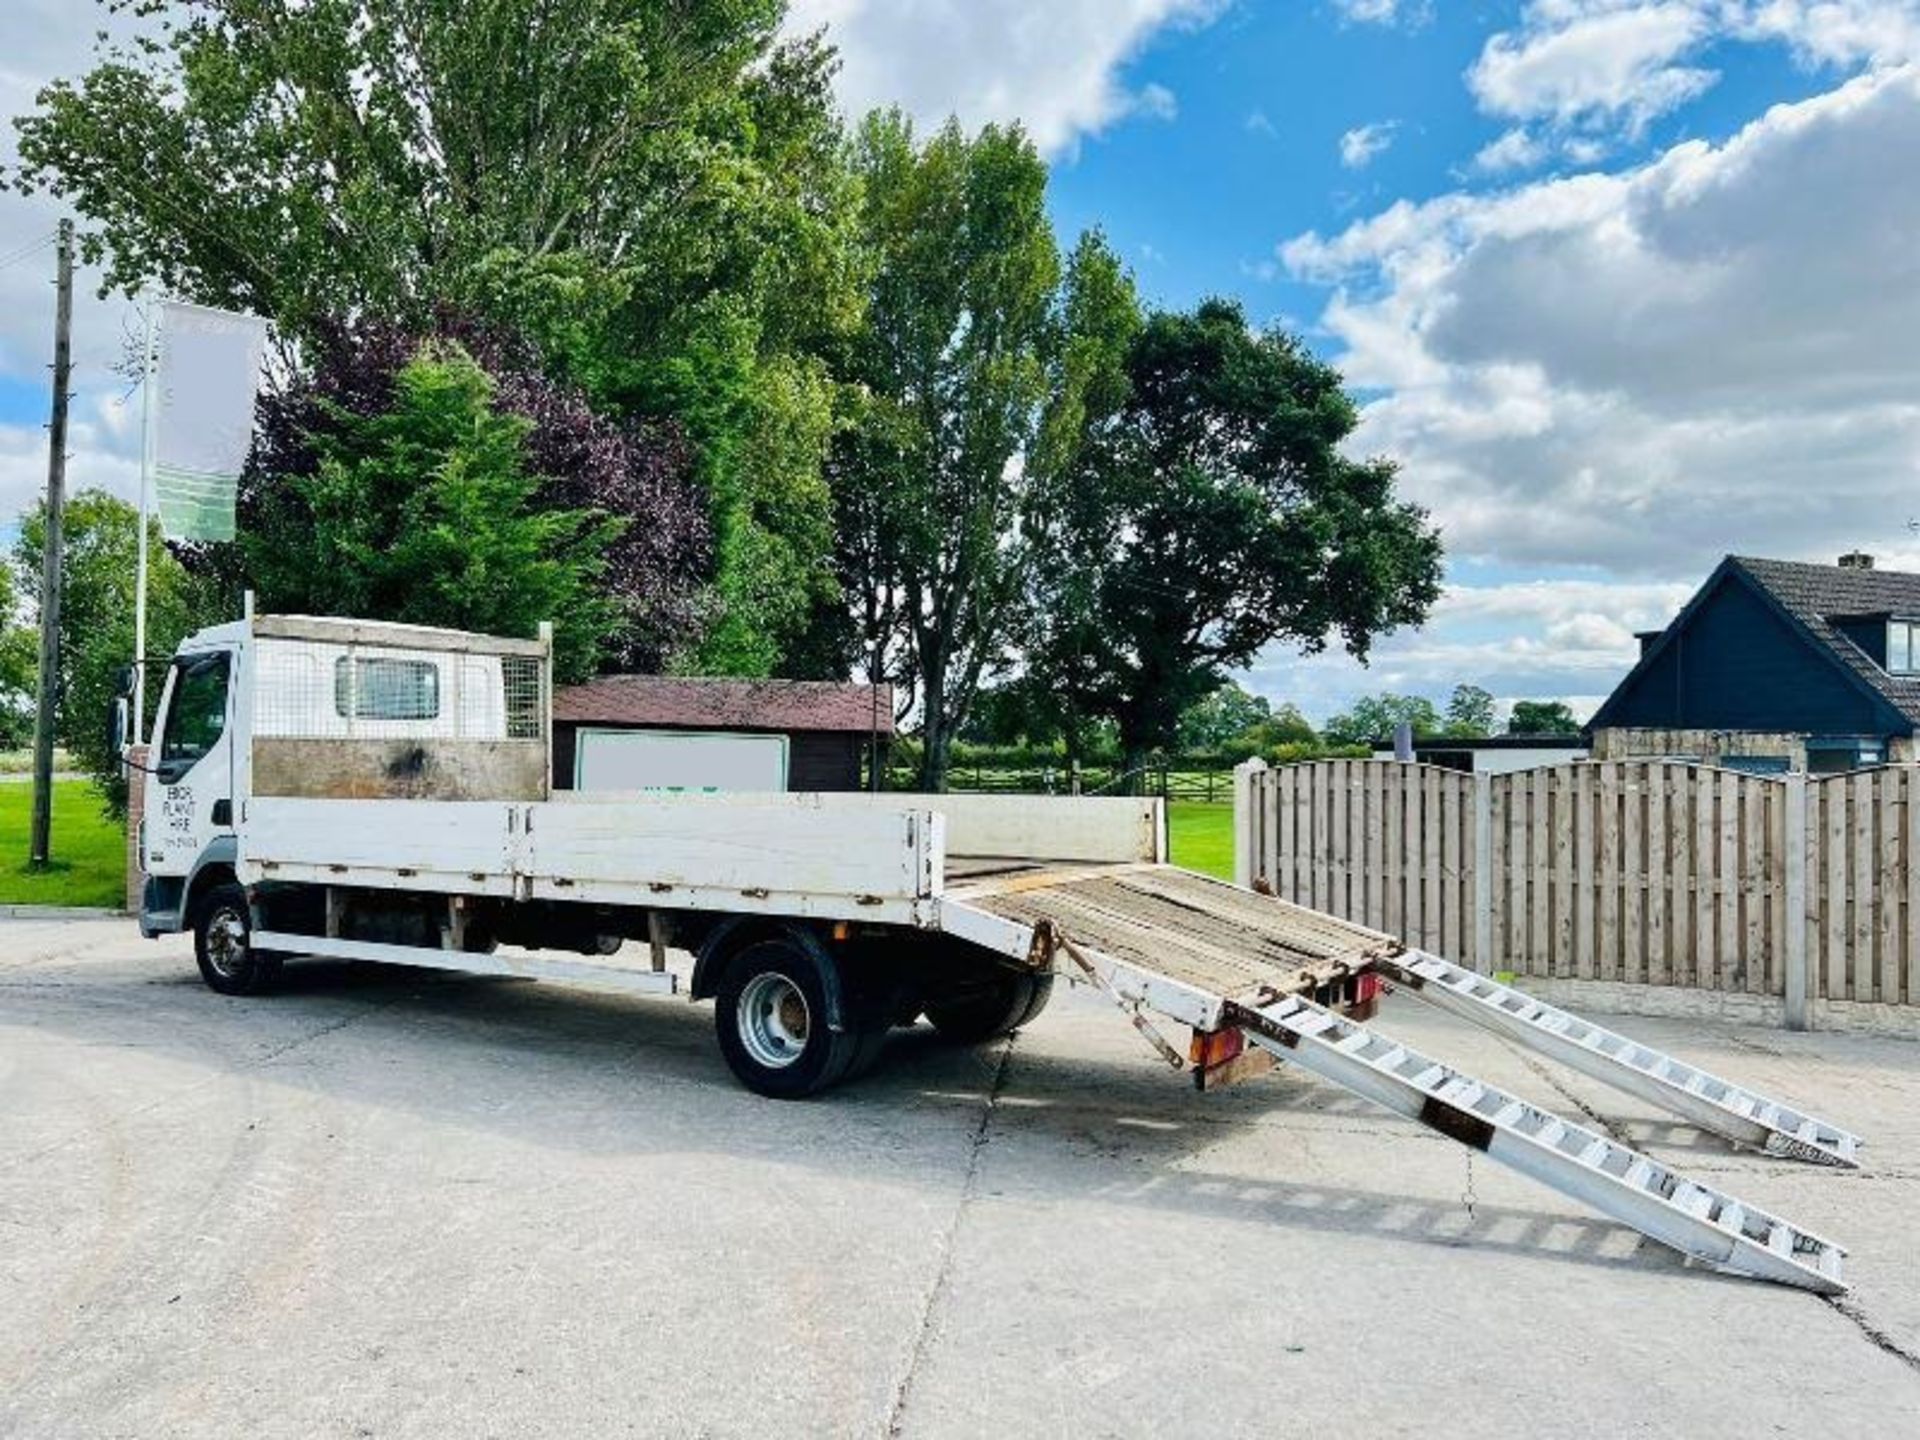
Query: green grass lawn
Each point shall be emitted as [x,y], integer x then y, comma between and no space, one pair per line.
[89,850]
[1201,836]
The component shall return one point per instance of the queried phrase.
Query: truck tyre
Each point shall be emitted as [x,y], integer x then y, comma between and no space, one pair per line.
[770,1012]
[1042,993]
[1006,1002]
[222,944]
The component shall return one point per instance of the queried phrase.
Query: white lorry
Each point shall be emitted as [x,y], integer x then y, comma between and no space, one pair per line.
[381,792]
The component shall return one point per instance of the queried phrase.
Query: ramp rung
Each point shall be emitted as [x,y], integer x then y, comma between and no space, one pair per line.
[1617,1181]
[1687,1091]
[1693,1199]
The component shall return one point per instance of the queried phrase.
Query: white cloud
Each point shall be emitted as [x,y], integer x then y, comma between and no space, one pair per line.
[1156,102]
[1564,639]
[1645,370]
[1514,150]
[1362,144]
[97,459]
[1832,32]
[1409,13]
[1590,61]
[53,38]
[1601,66]
[1638,373]
[1054,67]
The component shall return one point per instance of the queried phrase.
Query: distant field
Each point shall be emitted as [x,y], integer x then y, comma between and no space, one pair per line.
[1201,836]
[1199,786]
[20,762]
[89,850]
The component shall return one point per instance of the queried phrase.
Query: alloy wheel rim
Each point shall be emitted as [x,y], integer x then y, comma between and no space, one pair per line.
[227,942]
[774,1020]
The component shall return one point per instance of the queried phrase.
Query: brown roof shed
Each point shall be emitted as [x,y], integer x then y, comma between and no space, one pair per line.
[829,726]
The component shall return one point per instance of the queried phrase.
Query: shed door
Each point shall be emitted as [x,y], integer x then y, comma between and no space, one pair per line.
[678,760]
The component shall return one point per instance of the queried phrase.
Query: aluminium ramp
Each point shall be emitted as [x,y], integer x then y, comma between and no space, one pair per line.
[1619,1182]
[1727,1109]
[1205,953]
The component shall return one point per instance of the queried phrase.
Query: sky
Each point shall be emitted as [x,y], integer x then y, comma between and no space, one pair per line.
[1622,286]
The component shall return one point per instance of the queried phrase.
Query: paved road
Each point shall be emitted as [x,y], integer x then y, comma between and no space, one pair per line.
[389,1203]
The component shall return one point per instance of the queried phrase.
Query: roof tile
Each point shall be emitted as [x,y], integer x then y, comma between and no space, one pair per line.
[684,702]
[1813,593]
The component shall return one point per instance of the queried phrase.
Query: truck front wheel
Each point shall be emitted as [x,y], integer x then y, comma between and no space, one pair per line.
[770,1011]
[223,944]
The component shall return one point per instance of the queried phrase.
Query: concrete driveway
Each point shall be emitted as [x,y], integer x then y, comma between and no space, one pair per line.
[392,1203]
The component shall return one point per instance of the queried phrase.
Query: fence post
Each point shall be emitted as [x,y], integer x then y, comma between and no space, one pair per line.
[1482,872]
[1796,883]
[1246,826]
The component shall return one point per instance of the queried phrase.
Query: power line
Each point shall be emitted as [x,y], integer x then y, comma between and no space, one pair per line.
[30,249]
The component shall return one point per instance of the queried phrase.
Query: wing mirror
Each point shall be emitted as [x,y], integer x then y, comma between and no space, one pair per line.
[119,721]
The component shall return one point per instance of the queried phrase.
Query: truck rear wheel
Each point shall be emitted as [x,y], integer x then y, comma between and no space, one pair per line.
[770,1012]
[999,1006]
[223,944]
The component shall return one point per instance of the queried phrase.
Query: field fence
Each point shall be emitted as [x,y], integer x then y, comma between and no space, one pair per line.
[1209,782]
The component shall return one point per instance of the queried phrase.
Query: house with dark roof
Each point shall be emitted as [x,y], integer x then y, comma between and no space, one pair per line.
[1776,665]
[669,732]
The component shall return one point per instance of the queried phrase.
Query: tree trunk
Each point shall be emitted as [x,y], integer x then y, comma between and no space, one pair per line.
[936,742]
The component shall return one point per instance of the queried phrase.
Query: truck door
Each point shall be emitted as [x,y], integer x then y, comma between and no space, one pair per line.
[190,799]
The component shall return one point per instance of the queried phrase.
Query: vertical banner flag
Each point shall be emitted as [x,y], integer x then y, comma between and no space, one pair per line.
[204,387]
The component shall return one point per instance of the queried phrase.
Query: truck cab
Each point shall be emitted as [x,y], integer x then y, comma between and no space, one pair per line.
[298,705]
[186,831]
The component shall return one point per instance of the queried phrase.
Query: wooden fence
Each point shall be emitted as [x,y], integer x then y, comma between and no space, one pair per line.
[1639,871]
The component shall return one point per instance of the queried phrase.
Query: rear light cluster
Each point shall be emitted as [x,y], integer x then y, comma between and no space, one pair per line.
[1209,1048]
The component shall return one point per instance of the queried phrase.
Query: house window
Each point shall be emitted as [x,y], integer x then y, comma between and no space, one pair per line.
[1830,755]
[1903,647]
[386,689]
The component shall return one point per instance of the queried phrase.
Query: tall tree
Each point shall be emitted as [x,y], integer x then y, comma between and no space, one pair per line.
[19,661]
[653,568]
[1542,717]
[102,537]
[423,512]
[1216,514]
[1226,714]
[1372,720]
[657,193]
[953,376]
[1469,713]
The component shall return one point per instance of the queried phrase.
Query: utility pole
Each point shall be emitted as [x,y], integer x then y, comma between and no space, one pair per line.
[52,557]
